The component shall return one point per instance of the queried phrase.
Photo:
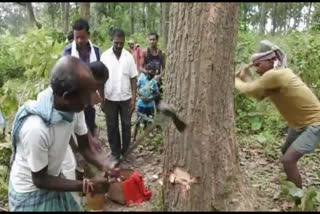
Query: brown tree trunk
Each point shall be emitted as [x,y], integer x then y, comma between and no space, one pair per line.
[144,25]
[62,17]
[263,18]
[308,15]
[66,17]
[31,17]
[165,20]
[131,18]
[85,10]
[199,83]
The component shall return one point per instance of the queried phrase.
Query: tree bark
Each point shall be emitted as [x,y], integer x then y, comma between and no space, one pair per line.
[199,83]
[308,15]
[263,18]
[85,10]
[131,19]
[62,16]
[52,14]
[274,18]
[31,18]
[66,17]
[144,25]
[165,21]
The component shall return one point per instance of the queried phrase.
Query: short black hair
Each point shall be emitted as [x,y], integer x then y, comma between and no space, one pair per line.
[154,34]
[117,32]
[99,71]
[81,24]
[70,36]
[65,77]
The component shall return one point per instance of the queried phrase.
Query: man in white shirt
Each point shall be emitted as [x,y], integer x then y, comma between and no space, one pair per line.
[120,93]
[40,138]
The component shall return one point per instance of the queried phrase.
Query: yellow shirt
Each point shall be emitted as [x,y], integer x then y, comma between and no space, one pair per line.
[292,97]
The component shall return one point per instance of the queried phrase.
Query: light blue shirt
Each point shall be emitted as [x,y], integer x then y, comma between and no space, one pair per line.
[145,87]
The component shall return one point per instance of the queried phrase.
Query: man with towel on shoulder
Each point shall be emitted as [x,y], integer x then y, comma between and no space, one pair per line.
[294,100]
[83,49]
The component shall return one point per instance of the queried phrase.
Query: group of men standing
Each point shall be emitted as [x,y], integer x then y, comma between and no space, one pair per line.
[47,132]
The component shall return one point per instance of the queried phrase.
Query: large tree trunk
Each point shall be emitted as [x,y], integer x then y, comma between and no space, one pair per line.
[165,20]
[85,10]
[199,83]
[66,17]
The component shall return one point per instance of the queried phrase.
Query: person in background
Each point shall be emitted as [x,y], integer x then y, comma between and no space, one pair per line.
[120,94]
[135,50]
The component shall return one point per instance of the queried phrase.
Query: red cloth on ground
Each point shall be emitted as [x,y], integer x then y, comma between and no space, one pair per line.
[134,189]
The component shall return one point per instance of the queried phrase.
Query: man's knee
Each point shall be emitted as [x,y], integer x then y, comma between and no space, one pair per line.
[289,159]
[126,124]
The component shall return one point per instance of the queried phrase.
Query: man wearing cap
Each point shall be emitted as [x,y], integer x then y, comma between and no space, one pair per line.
[136,52]
[294,100]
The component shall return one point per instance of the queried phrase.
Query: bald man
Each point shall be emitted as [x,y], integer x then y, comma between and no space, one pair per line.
[41,134]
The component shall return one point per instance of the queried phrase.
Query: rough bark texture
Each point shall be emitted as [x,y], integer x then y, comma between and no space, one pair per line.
[32,19]
[131,19]
[144,21]
[165,21]
[199,83]
[263,18]
[85,10]
[66,17]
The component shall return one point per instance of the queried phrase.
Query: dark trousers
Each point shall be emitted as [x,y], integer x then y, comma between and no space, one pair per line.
[112,110]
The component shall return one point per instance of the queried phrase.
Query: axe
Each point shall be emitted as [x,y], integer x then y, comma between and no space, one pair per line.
[164,111]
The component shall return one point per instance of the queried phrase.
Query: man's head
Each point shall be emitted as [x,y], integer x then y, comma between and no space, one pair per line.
[100,73]
[72,84]
[269,57]
[118,38]
[263,66]
[153,39]
[151,70]
[131,43]
[81,32]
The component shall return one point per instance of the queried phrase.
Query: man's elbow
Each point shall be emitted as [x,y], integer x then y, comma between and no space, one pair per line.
[38,181]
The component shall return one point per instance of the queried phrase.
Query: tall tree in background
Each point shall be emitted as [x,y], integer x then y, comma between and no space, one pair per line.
[201,168]
[85,10]
[165,20]
[263,18]
[66,16]
[31,18]
[144,19]
[131,18]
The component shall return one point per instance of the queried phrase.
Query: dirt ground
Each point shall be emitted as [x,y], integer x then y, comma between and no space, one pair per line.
[262,172]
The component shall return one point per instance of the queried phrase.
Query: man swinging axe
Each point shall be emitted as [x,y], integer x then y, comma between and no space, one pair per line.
[294,100]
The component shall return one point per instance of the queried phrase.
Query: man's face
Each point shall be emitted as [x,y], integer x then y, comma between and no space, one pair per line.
[118,43]
[263,66]
[79,101]
[81,37]
[153,41]
[131,45]
[150,74]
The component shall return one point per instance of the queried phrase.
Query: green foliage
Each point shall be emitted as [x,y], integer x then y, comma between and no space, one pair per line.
[304,200]
[3,182]
[8,99]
